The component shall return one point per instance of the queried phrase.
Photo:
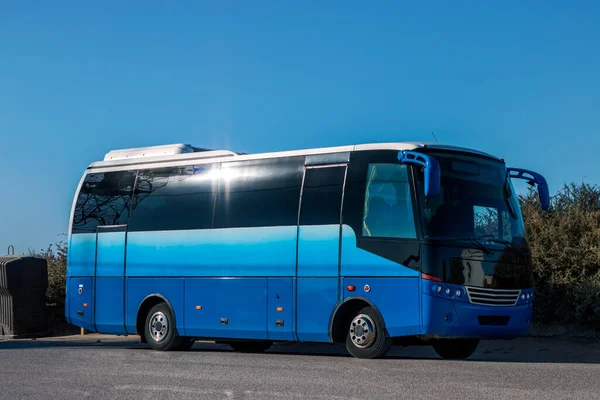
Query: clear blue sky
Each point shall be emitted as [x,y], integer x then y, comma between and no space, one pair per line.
[517,79]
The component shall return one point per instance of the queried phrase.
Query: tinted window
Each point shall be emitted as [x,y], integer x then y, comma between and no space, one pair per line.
[259,193]
[388,208]
[174,198]
[103,200]
[322,195]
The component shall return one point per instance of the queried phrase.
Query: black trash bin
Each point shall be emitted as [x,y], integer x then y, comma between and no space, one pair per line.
[23,284]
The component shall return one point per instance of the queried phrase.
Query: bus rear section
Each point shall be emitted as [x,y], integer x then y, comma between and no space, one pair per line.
[330,247]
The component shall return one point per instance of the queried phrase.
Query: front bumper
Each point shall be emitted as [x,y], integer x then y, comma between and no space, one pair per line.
[447,317]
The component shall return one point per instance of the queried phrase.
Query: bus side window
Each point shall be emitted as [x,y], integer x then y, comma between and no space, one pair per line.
[388,208]
[259,193]
[174,198]
[103,200]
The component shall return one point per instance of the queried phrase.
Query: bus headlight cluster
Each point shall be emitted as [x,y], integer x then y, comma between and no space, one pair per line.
[448,291]
[526,296]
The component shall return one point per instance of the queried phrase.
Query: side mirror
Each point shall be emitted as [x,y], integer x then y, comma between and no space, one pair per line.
[534,178]
[431,173]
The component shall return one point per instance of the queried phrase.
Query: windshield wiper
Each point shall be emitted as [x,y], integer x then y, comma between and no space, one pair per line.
[470,239]
[507,244]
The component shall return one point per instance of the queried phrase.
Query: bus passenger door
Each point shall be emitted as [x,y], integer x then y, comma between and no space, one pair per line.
[109,315]
[319,229]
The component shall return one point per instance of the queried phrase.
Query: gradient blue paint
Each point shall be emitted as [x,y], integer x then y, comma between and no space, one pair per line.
[358,262]
[110,258]
[318,250]
[268,251]
[397,299]
[81,257]
[317,298]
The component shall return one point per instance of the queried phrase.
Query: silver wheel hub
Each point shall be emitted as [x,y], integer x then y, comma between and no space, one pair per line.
[159,326]
[362,331]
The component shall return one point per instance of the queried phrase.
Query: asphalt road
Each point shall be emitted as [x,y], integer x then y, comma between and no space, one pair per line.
[99,367]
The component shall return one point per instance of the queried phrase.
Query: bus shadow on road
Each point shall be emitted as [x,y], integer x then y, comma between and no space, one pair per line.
[523,350]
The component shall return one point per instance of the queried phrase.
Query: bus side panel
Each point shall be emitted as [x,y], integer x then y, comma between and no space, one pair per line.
[140,288]
[317,297]
[109,305]
[226,307]
[280,309]
[81,261]
[397,299]
[81,294]
[392,287]
[110,289]
[82,254]
[234,252]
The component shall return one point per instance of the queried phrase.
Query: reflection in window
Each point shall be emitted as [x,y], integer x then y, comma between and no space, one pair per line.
[486,222]
[388,208]
[259,193]
[173,198]
[103,200]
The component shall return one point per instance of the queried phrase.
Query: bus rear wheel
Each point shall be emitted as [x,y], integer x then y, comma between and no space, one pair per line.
[456,349]
[367,336]
[251,346]
[161,333]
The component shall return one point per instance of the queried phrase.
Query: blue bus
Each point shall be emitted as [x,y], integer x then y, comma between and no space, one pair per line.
[368,245]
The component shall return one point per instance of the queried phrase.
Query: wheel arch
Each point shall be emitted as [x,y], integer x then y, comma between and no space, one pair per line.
[145,306]
[343,313]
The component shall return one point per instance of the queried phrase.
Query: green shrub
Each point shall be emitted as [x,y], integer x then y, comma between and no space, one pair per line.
[565,245]
[57,269]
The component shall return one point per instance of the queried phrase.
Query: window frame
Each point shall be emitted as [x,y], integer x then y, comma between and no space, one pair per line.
[79,228]
[292,165]
[213,184]
[411,198]
[356,180]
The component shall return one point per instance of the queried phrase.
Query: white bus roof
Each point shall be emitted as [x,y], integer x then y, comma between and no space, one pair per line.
[181,154]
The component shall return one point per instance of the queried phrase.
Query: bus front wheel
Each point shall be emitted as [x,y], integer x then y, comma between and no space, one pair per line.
[367,336]
[161,333]
[458,349]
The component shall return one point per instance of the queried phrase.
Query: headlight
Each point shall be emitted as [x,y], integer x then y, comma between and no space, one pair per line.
[523,296]
[458,293]
[448,291]
[438,289]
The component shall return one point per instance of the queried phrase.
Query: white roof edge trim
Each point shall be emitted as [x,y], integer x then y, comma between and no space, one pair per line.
[221,156]
[184,159]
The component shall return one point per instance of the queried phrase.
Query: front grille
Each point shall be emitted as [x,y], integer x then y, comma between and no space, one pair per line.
[493,297]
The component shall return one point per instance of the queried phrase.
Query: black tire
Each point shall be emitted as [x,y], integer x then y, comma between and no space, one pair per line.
[186,343]
[374,341]
[158,316]
[251,346]
[455,349]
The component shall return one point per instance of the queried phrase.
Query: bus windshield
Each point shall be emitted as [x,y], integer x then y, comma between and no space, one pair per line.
[476,201]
